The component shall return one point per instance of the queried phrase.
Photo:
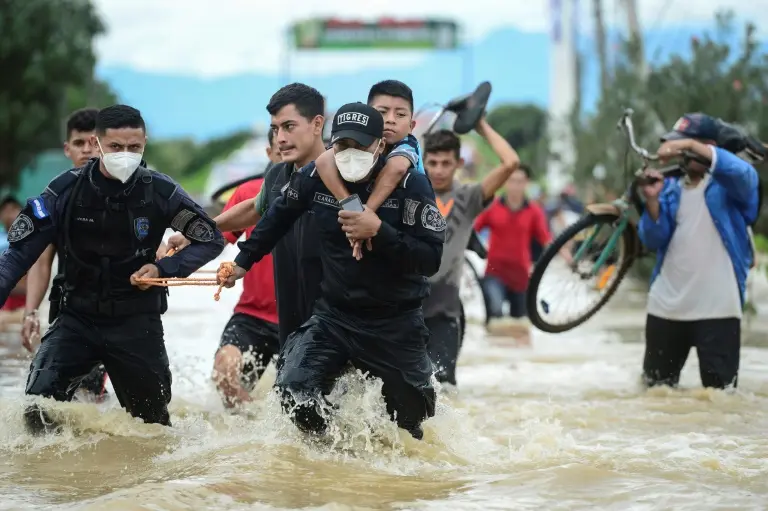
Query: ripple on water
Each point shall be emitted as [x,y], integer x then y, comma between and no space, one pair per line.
[562,425]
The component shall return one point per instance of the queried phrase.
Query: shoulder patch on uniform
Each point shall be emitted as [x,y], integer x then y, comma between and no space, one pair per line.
[38,208]
[432,219]
[409,211]
[326,200]
[391,203]
[20,228]
[200,230]
[182,218]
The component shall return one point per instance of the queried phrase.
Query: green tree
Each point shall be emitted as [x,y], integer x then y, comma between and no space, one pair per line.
[524,127]
[718,79]
[46,50]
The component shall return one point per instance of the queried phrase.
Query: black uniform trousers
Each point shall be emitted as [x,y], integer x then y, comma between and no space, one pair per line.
[444,345]
[132,350]
[393,349]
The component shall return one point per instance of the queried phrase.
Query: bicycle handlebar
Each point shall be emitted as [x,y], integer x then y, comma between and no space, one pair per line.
[625,123]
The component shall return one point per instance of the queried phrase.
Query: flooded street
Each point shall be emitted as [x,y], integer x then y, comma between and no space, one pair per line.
[561,425]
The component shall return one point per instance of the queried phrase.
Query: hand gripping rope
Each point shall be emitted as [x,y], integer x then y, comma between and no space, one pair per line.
[222,274]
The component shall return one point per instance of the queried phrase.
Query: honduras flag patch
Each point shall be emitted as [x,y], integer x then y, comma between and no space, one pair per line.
[38,208]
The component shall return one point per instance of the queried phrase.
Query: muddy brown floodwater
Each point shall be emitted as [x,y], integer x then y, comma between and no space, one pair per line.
[561,425]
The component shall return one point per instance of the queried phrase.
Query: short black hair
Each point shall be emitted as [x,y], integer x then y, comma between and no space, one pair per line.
[118,116]
[393,88]
[270,137]
[442,140]
[82,120]
[526,170]
[307,100]
[9,200]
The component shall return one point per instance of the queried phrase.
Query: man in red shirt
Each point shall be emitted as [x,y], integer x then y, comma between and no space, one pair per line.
[514,223]
[250,339]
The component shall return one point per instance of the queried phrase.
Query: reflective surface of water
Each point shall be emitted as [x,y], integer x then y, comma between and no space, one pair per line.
[561,425]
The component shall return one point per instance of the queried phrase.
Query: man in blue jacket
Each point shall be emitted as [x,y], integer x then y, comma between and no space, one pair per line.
[697,225]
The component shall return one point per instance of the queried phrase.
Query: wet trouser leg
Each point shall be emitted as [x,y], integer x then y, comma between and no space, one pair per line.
[495,294]
[95,382]
[68,352]
[718,345]
[443,346]
[667,344]
[517,307]
[135,358]
[311,360]
[395,350]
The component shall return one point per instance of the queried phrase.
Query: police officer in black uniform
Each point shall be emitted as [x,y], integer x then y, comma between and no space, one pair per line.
[369,312]
[108,218]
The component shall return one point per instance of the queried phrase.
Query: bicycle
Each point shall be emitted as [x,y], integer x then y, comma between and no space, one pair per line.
[622,248]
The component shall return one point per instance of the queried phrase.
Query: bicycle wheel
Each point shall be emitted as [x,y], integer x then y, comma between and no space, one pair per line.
[604,281]
[471,293]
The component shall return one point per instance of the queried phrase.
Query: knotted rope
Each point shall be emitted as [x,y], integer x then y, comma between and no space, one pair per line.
[225,271]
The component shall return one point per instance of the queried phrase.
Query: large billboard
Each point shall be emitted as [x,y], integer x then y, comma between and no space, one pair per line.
[335,34]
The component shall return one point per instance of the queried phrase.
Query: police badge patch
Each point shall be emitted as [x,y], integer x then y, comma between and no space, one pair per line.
[20,229]
[432,219]
[200,230]
[141,227]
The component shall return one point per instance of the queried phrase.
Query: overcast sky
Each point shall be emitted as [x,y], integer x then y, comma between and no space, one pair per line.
[224,37]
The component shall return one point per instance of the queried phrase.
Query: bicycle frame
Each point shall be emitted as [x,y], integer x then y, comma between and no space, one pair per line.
[620,207]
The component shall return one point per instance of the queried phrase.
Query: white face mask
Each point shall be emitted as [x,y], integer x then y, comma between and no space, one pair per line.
[120,165]
[354,164]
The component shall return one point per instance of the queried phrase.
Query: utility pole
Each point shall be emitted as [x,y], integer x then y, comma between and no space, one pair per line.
[635,36]
[602,54]
[563,93]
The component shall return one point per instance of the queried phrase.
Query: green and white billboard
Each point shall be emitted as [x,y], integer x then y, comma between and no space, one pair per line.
[385,34]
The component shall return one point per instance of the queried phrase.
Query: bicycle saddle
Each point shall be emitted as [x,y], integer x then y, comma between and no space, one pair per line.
[472,109]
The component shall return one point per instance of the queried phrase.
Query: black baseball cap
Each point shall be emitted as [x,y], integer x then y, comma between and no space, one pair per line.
[359,122]
[696,125]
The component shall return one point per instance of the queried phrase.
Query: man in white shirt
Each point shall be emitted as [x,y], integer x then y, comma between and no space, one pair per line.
[698,227]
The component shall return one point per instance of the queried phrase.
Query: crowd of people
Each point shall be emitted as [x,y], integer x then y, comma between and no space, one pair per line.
[352,257]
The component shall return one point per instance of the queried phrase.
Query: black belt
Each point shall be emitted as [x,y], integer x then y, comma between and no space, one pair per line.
[155,303]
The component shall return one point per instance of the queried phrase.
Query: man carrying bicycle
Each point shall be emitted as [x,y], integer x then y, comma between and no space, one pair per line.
[698,226]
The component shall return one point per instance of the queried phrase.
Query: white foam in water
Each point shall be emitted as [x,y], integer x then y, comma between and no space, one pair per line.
[563,424]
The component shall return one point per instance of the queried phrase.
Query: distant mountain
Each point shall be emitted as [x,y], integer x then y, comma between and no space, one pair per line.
[516,63]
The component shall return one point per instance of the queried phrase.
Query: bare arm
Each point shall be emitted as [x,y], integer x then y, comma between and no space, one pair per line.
[38,278]
[387,180]
[238,218]
[508,156]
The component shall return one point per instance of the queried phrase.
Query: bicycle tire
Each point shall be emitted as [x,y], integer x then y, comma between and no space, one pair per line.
[479,281]
[590,220]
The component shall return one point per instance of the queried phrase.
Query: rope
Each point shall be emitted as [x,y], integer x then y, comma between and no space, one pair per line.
[222,274]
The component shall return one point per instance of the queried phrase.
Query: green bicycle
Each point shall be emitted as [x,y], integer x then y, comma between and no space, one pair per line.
[604,243]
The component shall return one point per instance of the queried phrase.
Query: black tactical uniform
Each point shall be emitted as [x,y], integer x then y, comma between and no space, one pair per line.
[296,257]
[106,231]
[370,310]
